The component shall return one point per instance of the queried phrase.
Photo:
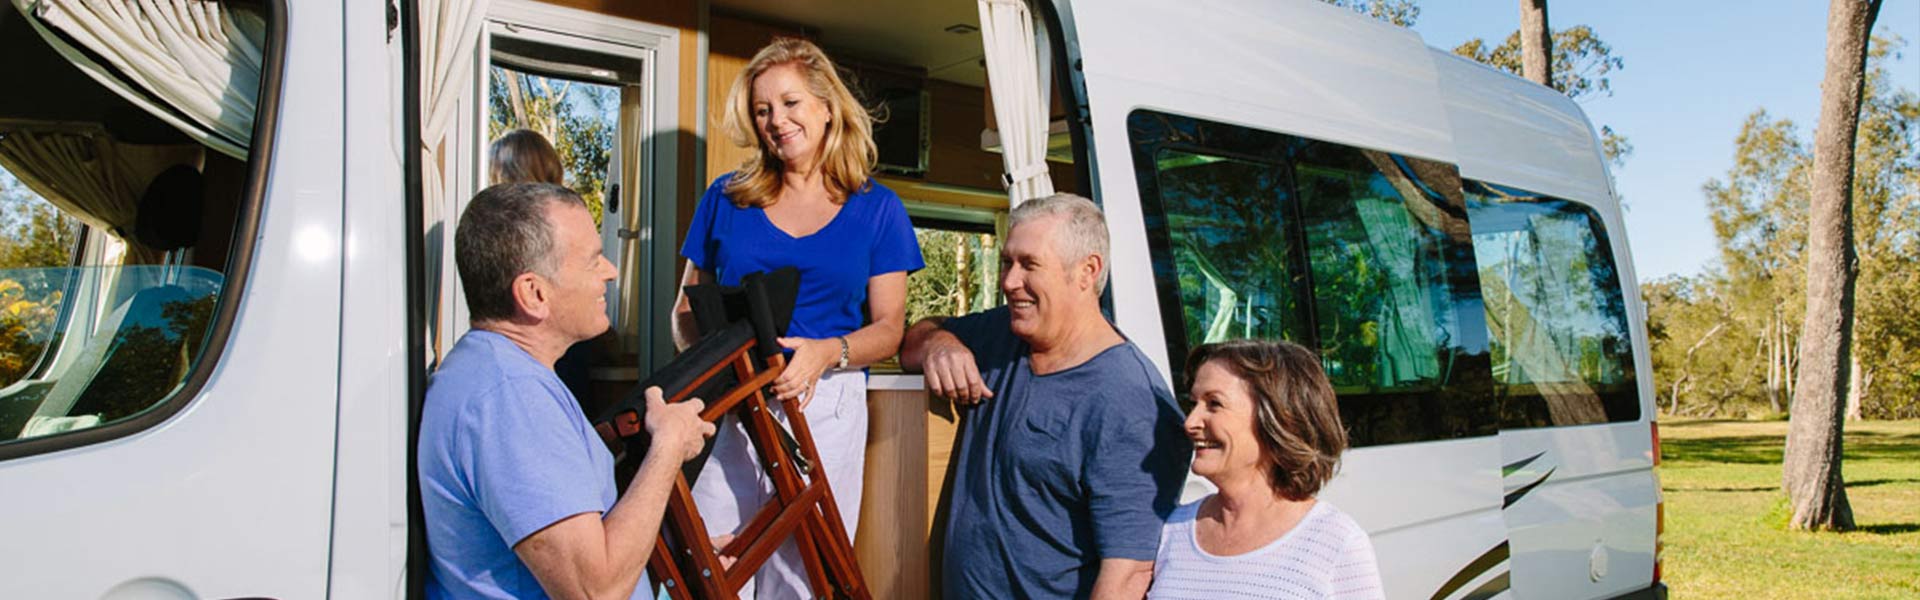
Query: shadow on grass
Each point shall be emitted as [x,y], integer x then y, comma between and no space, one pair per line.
[1889,528]
[1874,482]
[1768,449]
[1764,488]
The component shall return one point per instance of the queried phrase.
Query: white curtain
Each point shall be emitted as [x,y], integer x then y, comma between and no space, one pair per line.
[449,33]
[193,63]
[1019,80]
[86,174]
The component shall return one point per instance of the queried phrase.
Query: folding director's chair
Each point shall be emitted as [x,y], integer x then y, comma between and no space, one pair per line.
[731,367]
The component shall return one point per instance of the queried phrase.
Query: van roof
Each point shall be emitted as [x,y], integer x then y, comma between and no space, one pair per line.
[1311,69]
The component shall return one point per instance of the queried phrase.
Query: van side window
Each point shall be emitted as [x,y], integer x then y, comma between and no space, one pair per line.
[119,206]
[1561,349]
[1362,255]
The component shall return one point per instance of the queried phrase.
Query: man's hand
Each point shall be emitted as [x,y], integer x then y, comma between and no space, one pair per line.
[676,428]
[946,364]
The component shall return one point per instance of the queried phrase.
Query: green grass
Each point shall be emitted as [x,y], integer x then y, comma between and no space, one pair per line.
[1726,533]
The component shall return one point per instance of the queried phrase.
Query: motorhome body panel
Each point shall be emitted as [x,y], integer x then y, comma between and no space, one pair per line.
[231,495]
[1517,134]
[1581,519]
[1580,500]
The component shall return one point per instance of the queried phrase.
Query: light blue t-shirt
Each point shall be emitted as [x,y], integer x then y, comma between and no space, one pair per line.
[504,452]
[871,235]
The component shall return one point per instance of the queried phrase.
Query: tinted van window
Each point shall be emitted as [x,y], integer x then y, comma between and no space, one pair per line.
[1363,255]
[1561,349]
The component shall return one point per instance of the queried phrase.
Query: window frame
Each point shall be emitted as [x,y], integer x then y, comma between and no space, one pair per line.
[240,260]
[1467,377]
[651,282]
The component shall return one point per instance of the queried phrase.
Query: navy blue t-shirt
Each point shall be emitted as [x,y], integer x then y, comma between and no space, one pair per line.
[870,236]
[1056,472]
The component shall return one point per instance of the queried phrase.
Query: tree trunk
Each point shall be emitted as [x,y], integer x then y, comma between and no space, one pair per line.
[1536,43]
[1858,380]
[1776,359]
[1811,473]
[517,100]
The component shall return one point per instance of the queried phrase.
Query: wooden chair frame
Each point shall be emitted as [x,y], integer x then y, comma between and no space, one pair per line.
[802,508]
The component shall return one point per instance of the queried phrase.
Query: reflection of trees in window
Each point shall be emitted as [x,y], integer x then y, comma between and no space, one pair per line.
[148,360]
[1227,232]
[1380,283]
[1560,343]
[1361,254]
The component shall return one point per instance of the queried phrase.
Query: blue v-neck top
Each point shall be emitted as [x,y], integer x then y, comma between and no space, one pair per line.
[871,235]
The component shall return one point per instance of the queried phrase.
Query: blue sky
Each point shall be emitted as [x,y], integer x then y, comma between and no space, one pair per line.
[1694,71]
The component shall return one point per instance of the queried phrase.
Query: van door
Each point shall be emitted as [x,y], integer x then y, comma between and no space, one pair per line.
[1283,170]
[1566,340]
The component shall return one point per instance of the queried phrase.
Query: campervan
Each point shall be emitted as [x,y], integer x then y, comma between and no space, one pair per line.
[229,264]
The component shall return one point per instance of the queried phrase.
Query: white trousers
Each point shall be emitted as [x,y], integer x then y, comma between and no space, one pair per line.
[733,486]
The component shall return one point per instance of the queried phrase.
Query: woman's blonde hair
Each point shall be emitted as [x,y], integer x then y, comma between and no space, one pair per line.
[523,155]
[847,156]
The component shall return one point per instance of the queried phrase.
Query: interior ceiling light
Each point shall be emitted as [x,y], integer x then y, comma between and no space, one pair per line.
[962,29]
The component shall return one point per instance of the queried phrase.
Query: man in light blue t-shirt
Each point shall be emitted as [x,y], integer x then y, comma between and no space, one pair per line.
[518,488]
[1073,452]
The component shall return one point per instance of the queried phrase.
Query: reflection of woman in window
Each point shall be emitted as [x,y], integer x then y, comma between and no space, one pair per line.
[1266,431]
[523,155]
[805,200]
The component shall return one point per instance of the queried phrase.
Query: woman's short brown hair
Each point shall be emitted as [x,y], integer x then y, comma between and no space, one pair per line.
[847,155]
[1301,436]
[525,156]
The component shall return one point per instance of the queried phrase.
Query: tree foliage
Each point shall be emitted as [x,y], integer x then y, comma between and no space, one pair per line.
[961,276]
[1398,12]
[1582,62]
[34,238]
[1755,293]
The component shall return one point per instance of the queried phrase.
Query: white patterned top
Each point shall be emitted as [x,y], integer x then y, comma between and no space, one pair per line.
[1326,555]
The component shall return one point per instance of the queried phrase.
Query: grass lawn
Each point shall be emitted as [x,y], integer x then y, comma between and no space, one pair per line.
[1726,531]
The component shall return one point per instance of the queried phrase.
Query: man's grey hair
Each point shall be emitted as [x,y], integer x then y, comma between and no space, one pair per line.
[1082,233]
[503,234]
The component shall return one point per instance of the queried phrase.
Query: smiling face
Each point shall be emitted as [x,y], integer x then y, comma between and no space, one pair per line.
[1223,426]
[791,120]
[1044,289]
[578,301]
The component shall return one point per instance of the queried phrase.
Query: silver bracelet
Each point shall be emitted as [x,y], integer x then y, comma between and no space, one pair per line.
[845,350]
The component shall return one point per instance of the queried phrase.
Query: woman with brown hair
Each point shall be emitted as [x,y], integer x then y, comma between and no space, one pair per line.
[805,199]
[1266,431]
[523,155]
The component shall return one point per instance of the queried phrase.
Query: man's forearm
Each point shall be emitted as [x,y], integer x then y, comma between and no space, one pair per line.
[1122,579]
[913,348]
[634,523]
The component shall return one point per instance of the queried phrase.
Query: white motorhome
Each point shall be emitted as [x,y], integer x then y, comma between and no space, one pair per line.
[208,384]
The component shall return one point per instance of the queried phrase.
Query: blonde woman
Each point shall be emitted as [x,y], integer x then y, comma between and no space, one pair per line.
[805,199]
[1266,431]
